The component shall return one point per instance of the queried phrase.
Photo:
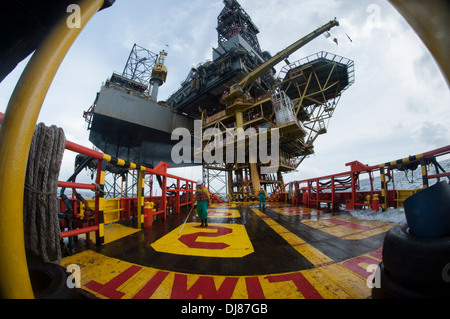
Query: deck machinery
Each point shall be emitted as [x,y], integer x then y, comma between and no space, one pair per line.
[237,90]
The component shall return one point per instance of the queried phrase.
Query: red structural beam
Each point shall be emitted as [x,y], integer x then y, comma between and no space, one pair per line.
[79,231]
[438,152]
[76,185]
[160,169]
[439,175]
[83,150]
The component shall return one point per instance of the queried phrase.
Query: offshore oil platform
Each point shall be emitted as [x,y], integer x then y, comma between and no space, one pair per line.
[303,247]
[237,90]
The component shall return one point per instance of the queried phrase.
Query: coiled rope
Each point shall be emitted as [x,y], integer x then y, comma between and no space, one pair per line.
[41,224]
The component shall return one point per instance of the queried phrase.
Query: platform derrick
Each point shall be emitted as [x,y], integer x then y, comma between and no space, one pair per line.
[298,105]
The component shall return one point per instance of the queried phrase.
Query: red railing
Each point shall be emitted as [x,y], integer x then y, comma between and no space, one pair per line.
[132,206]
[344,188]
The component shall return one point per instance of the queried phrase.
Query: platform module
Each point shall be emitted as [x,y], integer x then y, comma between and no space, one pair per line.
[237,90]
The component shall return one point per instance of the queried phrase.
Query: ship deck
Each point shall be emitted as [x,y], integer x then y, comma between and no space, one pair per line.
[280,252]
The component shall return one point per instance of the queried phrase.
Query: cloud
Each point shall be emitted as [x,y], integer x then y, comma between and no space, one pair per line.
[433,134]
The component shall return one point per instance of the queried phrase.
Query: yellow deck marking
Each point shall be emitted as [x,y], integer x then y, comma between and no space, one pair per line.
[370,233]
[214,205]
[275,204]
[108,277]
[292,211]
[326,286]
[292,239]
[287,289]
[117,231]
[368,227]
[223,213]
[313,255]
[211,244]
[346,281]
[113,232]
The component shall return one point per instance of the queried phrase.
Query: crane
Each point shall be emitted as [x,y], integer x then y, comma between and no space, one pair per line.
[234,98]
[238,90]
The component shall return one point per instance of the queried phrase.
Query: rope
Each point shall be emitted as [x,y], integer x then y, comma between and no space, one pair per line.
[41,224]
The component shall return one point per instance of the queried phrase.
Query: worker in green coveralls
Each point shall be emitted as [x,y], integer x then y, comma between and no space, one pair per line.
[203,201]
[262,198]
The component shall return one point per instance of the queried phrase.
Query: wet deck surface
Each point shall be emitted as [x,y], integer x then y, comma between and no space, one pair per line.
[279,252]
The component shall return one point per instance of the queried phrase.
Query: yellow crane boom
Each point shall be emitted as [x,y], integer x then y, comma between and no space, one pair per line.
[237,89]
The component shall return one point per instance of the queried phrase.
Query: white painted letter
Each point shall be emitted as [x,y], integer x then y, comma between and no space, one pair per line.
[216,145]
[74,19]
[74,279]
[274,157]
[184,145]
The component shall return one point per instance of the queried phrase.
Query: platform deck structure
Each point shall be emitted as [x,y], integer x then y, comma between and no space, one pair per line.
[286,250]
[15,273]
[280,252]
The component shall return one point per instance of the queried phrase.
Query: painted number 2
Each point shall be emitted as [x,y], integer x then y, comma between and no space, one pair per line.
[190,240]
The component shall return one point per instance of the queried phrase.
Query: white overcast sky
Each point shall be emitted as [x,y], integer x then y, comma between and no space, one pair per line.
[398,105]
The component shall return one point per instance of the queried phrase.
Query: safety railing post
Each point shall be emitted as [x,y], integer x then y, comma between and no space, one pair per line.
[187,194]
[383,199]
[424,172]
[140,198]
[333,193]
[164,194]
[100,203]
[353,176]
[317,193]
[177,198]
[309,194]
[191,193]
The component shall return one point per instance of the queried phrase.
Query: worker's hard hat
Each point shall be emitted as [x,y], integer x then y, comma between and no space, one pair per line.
[199,182]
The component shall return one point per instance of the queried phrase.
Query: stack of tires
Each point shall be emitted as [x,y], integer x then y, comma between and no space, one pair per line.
[416,254]
[413,267]
[49,281]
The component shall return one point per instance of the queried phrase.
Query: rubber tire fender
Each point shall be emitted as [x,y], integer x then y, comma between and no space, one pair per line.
[389,288]
[417,262]
[49,281]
